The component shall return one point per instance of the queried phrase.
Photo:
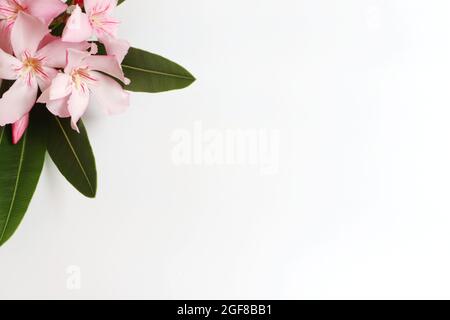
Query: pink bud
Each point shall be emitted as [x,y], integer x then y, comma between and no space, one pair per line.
[19,127]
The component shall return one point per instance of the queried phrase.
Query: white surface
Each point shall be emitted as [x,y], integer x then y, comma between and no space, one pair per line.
[359,208]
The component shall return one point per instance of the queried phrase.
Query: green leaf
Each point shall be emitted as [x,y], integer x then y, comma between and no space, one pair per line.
[120,1]
[149,72]
[72,154]
[20,169]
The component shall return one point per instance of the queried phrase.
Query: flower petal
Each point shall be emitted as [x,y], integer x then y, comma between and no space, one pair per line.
[106,6]
[116,47]
[77,105]
[8,66]
[61,86]
[58,107]
[78,27]
[75,59]
[26,34]
[109,94]
[44,82]
[17,101]
[5,39]
[45,10]
[46,40]
[108,27]
[55,52]
[108,65]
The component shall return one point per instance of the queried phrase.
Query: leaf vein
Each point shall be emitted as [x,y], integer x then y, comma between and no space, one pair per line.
[19,172]
[75,154]
[1,135]
[158,72]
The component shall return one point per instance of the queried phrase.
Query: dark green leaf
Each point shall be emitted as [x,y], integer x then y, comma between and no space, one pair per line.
[72,154]
[149,72]
[120,1]
[20,169]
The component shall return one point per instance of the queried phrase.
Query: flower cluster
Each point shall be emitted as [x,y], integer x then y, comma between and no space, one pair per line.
[57,58]
[49,54]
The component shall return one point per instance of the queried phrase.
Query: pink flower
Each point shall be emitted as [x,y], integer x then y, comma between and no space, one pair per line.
[85,77]
[97,21]
[36,56]
[44,10]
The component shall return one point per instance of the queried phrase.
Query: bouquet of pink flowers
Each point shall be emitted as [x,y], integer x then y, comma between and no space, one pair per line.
[57,58]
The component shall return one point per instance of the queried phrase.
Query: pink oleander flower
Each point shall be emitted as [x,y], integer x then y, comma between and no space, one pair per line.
[32,65]
[86,77]
[44,10]
[97,22]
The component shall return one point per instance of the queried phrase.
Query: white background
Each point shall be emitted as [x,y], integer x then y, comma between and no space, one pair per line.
[359,207]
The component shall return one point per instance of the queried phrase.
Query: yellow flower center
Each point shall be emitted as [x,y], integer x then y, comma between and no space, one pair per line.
[81,77]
